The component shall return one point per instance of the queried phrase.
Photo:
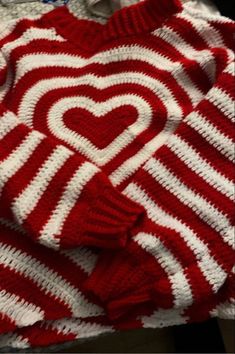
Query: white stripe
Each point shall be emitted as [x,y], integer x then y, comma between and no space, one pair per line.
[8,122]
[230,69]
[153,245]
[188,85]
[53,228]
[222,101]
[6,85]
[85,146]
[30,35]
[200,166]
[79,329]
[183,295]
[24,204]
[48,280]
[159,216]
[2,63]
[132,164]
[199,205]
[119,54]
[207,32]
[34,61]
[212,273]
[174,115]
[13,225]
[82,257]
[204,58]
[225,310]
[13,340]
[41,88]
[180,286]
[164,318]
[19,157]
[21,312]
[213,135]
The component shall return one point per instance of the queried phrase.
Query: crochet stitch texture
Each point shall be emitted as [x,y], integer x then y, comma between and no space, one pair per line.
[116,175]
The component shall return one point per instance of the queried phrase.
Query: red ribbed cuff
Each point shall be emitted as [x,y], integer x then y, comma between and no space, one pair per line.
[104,221]
[109,220]
[119,284]
[129,281]
[125,283]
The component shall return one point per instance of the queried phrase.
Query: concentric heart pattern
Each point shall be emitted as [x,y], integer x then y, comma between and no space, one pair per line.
[109,107]
[115,104]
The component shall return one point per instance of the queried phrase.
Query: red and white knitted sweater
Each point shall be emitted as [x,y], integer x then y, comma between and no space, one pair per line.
[116,193]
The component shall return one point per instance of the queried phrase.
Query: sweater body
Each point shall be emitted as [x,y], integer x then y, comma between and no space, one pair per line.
[115,103]
[117,136]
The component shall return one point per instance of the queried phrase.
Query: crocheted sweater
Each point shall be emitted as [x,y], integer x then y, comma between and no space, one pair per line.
[116,193]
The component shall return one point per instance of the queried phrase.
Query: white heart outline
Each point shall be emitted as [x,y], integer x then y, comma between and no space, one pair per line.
[84,145]
[174,112]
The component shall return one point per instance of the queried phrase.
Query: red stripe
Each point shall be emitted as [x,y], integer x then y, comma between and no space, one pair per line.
[55,261]
[216,117]
[12,140]
[6,324]
[18,30]
[206,150]
[19,181]
[229,88]
[175,244]
[3,74]
[196,183]
[171,204]
[51,196]
[188,31]
[40,335]
[192,68]
[20,285]
[39,253]
[226,31]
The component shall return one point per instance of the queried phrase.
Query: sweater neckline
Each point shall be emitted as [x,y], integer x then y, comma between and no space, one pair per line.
[135,19]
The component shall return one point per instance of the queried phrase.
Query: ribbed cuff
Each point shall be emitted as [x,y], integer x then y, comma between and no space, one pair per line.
[119,284]
[104,221]
[125,283]
[109,220]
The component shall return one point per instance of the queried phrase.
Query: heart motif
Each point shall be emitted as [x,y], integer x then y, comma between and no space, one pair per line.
[107,127]
[129,126]
[66,118]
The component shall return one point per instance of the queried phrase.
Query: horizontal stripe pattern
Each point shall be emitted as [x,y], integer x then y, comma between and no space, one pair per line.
[48,280]
[27,201]
[52,230]
[180,286]
[19,157]
[165,100]
[206,211]
[21,312]
[202,253]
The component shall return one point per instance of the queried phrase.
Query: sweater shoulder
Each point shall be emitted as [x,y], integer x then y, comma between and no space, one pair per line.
[218,30]
[25,30]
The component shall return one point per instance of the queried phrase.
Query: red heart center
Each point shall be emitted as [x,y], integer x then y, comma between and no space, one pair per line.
[106,127]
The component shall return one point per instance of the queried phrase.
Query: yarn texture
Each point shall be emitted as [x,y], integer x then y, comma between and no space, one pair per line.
[116,172]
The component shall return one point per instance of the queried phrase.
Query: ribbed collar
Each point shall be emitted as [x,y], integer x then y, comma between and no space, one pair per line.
[142,17]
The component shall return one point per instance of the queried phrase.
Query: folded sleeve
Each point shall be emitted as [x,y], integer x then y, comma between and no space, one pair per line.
[58,197]
[183,252]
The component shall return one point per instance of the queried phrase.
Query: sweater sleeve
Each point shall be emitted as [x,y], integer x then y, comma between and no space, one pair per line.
[183,252]
[58,197]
